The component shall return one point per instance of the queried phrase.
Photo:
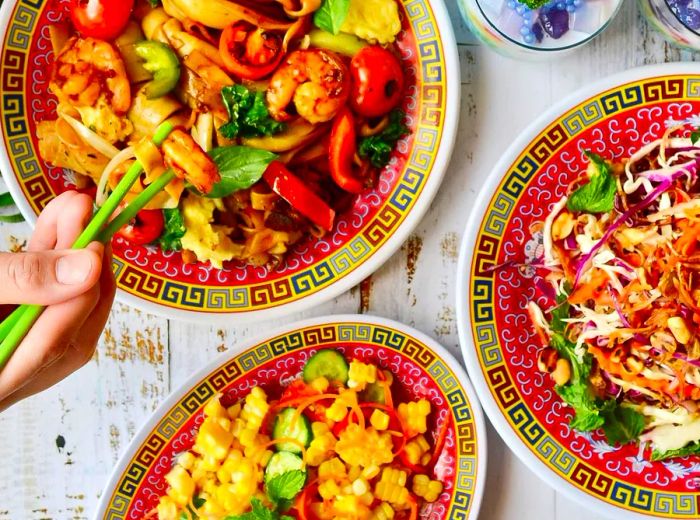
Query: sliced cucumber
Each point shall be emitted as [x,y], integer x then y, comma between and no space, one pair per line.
[291,426]
[281,462]
[326,363]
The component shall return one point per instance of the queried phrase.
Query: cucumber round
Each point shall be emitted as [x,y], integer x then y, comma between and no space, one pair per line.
[282,462]
[291,426]
[326,363]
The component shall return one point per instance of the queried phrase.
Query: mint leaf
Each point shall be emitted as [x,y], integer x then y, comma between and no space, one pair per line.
[331,15]
[282,488]
[258,512]
[598,195]
[581,399]
[691,449]
[560,312]
[622,423]
[173,230]
[240,167]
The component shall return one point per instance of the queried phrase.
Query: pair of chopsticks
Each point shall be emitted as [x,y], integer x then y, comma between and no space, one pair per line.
[16,326]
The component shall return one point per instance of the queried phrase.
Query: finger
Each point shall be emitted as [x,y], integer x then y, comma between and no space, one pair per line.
[48,340]
[45,230]
[80,350]
[73,219]
[48,277]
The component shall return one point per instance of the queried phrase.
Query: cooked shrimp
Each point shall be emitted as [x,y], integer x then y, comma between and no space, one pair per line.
[189,161]
[87,70]
[317,81]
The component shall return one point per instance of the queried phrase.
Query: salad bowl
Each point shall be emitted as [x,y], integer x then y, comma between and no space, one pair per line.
[314,269]
[501,252]
[420,366]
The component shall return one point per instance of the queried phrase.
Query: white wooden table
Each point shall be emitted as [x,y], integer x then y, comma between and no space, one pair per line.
[57,449]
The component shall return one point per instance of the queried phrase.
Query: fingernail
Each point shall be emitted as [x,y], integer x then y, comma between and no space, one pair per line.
[74,268]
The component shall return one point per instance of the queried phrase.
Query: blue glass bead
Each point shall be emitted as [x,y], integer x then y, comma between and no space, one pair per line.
[529,38]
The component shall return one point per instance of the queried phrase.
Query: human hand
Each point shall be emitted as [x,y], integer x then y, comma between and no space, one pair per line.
[77,287]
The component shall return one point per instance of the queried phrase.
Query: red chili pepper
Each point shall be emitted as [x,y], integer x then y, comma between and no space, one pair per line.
[342,151]
[292,189]
[145,228]
[250,52]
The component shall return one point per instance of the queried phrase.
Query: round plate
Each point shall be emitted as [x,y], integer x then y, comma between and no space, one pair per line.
[419,364]
[612,117]
[316,270]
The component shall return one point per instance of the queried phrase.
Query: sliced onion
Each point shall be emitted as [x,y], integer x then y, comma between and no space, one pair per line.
[91,138]
[124,155]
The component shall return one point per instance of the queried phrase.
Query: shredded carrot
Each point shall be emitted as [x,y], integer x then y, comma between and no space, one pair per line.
[308,401]
[300,504]
[413,504]
[391,411]
[440,441]
[150,514]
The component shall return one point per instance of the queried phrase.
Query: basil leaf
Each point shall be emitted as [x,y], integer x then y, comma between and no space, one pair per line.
[598,195]
[173,230]
[378,147]
[331,15]
[240,167]
[248,114]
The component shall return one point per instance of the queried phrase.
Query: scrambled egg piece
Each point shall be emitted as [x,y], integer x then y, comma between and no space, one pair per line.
[376,21]
[103,121]
[207,241]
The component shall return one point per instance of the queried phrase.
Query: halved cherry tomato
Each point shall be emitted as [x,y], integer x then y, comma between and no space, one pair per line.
[145,228]
[250,52]
[342,150]
[102,19]
[292,189]
[377,81]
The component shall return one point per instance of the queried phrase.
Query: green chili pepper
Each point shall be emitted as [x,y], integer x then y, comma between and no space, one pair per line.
[162,62]
[342,43]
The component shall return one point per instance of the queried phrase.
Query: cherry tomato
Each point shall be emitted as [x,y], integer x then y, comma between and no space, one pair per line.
[250,52]
[102,19]
[145,228]
[378,81]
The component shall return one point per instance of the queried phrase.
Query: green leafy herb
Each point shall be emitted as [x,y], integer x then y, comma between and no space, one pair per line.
[240,167]
[197,502]
[622,423]
[282,488]
[259,512]
[154,3]
[598,195]
[248,114]
[173,230]
[378,147]
[533,4]
[561,312]
[695,136]
[691,449]
[331,15]
[6,202]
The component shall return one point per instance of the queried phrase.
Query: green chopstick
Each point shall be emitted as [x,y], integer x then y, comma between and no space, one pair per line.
[16,326]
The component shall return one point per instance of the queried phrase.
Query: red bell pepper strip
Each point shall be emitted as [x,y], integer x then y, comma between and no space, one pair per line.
[342,151]
[250,52]
[292,189]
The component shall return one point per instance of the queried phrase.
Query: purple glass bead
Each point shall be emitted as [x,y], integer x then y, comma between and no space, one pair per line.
[691,19]
[555,21]
[537,31]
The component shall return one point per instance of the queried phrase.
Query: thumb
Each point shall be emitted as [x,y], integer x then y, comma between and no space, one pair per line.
[48,277]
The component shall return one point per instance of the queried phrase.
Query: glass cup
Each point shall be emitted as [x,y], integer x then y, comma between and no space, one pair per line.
[555,28]
[677,20]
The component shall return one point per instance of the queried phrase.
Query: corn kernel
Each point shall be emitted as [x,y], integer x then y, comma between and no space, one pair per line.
[360,374]
[382,512]
[367,498]
[167,509]
[416,448]
[354,472]
[349,506]
[336,411]
[224,422]
[370,471]
[186,460]
[414,415]
[425,459]
[320,384]
[255,408]
[427,489]
[213,408]
[212,440]
[181,485]
[391,487]
[328,489]
[379,420]
[234,411]
[360,486]
[332,469]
